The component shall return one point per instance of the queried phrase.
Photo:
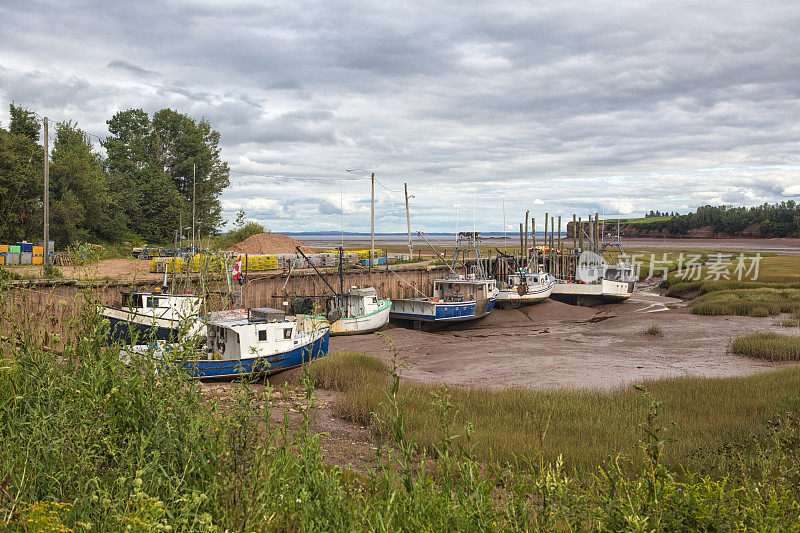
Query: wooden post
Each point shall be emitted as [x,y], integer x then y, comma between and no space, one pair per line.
[597,229]
[560,270]
[408,225]
[552,247]
[546,257]
[521,242]
[535,253]
[580,235]
[526,237]
[574,230]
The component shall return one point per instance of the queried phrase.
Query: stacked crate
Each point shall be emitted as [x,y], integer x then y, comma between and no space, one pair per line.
[38,255]
[167,264]
[206,263]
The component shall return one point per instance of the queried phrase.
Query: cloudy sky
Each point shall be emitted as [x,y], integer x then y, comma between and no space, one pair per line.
[564,107]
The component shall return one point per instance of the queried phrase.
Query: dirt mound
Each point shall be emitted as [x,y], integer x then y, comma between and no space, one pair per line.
[270,243]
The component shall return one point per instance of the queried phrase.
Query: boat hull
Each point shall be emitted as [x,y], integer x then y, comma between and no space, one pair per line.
[592,294]
[510,298]
[351,326]
[420,310]
[261,365]
[128,327]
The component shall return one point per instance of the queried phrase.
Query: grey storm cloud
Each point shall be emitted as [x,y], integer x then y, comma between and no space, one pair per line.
[568,107]
[130,67]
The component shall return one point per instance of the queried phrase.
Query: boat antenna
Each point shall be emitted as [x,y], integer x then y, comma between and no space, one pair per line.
[440,256]
[315,270]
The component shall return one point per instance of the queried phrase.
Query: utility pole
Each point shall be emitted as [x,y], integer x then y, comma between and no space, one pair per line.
[194,194]
[46,248]
[408,223]
[372,246]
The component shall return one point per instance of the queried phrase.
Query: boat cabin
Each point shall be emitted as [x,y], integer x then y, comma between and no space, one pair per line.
[359,302]
[464,290]
[620,272]
[250,333]
[170,306]
[528,278]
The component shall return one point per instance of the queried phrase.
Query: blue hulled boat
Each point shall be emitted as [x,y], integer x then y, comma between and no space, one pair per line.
[457,299]
[254,342]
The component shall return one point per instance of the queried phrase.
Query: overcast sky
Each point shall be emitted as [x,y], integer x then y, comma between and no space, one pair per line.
[550,107]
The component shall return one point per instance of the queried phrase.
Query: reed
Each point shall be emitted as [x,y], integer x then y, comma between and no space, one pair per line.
[582,426]
[748,302]
[770,346]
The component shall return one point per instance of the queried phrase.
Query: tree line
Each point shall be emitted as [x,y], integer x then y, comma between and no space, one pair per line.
[781,219]
[138,191]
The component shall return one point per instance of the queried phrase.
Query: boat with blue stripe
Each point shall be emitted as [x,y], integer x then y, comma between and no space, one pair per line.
[256,342]
[453,300]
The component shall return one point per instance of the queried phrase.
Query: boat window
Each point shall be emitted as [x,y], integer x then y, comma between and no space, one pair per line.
[262,335]
[151,302]
[374,299]
[287,333]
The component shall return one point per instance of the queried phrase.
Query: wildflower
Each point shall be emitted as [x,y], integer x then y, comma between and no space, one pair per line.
[297,500]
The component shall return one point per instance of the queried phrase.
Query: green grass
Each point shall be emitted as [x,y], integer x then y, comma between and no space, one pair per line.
[747,302]
[775,272]
[584,427]
[770,346]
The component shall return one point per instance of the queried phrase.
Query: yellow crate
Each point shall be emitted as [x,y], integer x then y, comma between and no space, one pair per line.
[38,250]
[38,260]
[2,260]
[3,248]
[207,262]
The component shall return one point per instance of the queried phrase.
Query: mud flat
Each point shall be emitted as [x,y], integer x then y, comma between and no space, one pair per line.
[555,345]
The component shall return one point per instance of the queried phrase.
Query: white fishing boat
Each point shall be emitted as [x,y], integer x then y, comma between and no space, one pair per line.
[148,316]
[524,288]
[353,313]
[260,341]
[601,284]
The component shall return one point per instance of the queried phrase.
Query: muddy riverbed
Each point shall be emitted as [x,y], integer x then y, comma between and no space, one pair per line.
[555,345]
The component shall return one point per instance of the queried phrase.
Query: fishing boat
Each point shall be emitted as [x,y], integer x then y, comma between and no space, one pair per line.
[524,288]
[148,316]
[353,313]
[604,284]
[453,300]
[253,342]
[347,313]
[458,298]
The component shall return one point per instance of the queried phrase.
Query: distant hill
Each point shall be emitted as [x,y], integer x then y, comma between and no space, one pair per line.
[763,221]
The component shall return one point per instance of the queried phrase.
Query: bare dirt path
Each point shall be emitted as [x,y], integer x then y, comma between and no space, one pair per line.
[555,345]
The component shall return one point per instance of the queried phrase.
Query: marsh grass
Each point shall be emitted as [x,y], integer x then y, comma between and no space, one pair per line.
[748,302]
[775,272]
[770,346]
[582,426]
[654,330]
